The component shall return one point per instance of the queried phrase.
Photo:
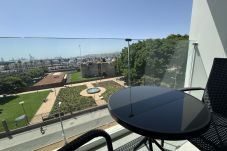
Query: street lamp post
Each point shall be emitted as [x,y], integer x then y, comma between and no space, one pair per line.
[22,105]
[59,112]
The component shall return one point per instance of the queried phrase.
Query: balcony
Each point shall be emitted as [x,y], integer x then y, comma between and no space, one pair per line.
[46,71]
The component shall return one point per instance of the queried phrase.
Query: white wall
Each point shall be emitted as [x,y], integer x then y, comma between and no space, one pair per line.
[209,29]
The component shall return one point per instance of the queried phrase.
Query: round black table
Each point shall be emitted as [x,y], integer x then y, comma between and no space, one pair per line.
[159,113]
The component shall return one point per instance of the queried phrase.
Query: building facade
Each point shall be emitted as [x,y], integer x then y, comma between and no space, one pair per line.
[208,39]
[97,69]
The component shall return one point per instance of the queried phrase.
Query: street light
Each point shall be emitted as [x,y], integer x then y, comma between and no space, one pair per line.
[22,105]
[59,112]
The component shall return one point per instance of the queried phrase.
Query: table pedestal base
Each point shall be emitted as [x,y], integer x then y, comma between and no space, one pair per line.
[150,141]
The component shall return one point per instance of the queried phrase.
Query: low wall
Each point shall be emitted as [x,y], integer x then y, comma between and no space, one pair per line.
[40,87]
[86,80]
[63,70]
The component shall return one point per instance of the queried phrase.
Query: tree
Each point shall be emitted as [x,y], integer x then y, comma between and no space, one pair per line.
[150,59]
[11,84]
[19,65]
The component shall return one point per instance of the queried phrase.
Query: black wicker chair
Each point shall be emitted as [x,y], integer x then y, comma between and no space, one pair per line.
[215,96]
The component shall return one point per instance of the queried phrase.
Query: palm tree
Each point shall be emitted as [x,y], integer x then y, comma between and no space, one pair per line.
[20,65]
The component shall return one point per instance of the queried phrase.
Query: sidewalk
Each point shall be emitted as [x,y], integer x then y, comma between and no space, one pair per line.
[96,96]
[33,139]
[46,107]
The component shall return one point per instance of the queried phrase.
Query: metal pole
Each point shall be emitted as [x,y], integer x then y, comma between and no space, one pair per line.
[129,78]
[175,79]
[62,128]
[80,51]
[22,105]
[129,75]
[195,45]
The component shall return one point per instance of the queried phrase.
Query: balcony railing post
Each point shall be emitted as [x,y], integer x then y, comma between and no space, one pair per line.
[6,128]
[129,74]
[129,77]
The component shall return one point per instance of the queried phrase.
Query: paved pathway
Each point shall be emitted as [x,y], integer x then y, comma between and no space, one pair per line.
[97,96]
[46,107]
[122,83]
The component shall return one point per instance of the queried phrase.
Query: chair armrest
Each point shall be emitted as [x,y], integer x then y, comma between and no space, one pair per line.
[83,139]
[191,89]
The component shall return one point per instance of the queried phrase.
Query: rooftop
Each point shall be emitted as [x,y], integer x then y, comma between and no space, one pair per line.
[53,78]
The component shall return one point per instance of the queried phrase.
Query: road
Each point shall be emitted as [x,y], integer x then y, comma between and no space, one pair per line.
[33,139]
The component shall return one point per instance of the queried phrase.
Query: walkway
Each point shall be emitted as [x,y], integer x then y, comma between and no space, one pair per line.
[97,96]
[122,83]
[46,107]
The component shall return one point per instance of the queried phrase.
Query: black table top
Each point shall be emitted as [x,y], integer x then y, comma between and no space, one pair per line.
[160,113]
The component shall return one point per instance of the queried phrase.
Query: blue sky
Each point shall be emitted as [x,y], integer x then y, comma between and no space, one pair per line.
[89,18]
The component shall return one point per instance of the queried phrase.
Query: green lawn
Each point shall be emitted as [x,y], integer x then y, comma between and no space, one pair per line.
[72,100]
[111,87]
[10,108]
[76,77]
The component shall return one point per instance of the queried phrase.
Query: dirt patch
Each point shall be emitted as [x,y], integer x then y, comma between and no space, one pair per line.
[51,79]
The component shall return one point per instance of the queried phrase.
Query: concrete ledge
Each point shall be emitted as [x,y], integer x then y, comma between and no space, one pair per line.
[188,147]
[115,132]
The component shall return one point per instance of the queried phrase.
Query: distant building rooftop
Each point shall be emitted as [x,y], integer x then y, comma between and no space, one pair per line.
[52,78]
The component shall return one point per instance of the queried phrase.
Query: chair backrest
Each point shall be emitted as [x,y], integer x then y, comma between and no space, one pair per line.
[215,94]
[83,139]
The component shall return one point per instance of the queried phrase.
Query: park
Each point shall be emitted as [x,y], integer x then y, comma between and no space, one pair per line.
[36,105]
